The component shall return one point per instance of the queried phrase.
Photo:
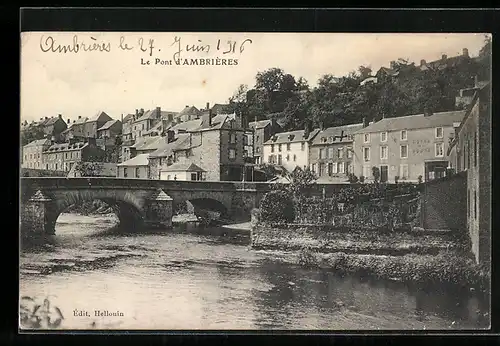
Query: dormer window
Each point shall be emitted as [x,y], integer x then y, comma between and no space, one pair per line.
[323,139]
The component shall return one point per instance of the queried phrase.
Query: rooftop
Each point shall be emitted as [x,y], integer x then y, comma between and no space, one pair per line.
[38,142]
[336,134]
[139,160]
[167,149]
[185,166]
[259,124]
[292,137]
[66,146]
[417,121]
[107,125]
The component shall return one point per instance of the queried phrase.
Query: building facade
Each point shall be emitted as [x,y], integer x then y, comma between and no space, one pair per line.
[408,148]
[471,151]
[289,149]
[62,157]
[33,153]
[137,167]
[331,152]
[262,130]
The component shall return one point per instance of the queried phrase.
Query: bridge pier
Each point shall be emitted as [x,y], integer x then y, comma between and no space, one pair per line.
[34,218]
[158,210]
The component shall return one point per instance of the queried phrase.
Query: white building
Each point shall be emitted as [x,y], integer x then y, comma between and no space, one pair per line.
[289,149]
[184,171]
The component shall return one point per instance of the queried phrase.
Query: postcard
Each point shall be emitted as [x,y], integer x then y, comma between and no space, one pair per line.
[249,181]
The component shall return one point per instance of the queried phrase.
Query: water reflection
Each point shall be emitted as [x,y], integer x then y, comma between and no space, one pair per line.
[186,279]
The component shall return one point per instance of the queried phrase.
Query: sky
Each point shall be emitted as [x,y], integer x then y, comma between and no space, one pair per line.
[118,80]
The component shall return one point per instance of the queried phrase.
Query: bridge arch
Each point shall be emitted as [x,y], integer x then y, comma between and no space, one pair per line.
[127,206]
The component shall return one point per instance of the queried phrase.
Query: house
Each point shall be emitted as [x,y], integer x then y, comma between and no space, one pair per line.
[136,167]
[91,126]
[77,129]
[262,131]
[32,153]
[94,169]
[146,123]
[470,151]
[62,156]
[54,126]
[213,143]
[406,147]
[330,153]
[110,130]
[189,113]
[445,61]
[289,149]
[182,171]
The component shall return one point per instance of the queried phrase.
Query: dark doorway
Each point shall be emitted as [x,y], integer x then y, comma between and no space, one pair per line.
[383,174]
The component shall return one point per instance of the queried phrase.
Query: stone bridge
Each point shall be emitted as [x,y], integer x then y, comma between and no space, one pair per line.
[136,202]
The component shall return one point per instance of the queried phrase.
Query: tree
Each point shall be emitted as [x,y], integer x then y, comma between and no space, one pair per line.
[32,134]
[300,181]
[89,169]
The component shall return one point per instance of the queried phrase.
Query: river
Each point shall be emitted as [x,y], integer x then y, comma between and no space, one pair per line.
[188,280]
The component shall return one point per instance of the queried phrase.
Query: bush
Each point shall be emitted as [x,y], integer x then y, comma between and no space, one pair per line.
[353,178]
[361,178]
[277,206]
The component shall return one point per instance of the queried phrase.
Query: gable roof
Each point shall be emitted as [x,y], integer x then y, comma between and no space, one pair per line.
[167,149]
[191,110]
[259,124]
[190,125]
[148,143]
[38,142]
[52,121]
[184,166]
[332,134]
[417,121]
[139,160]
[292,137]
[128,117]
[108,124]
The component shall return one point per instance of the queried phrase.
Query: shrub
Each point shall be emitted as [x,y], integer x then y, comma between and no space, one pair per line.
[376,174]
[277,206]
[420,179]
[361,178]
[352,178]
[396,179]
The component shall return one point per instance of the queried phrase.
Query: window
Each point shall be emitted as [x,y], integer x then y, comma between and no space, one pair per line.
[439,132]
[330,153]
[475,204]
[257,150]
[56,167]
[288,146]
[321,169]
[232,138]
[330,168]
[279,159]
[340,152]
[125,172]
[367,171]
[439,149]
[334,171]
[232,153]
[383,153]
[383,136]
[279,147]
[66,155]
[137,172]
[366,154]
[168,177]
[302,146]
[313,168]
[245,153]
[341,167]
[349,153]
[270,159]
[288,157]
[403,171]
[404,151]
[366,138]
[294,157]
[404,135]
[258,138]
[272,148]
[322,153]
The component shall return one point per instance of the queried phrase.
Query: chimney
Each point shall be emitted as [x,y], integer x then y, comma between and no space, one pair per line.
[465,52]
[69,121]
[307,130]
[60,116]
[74,121]
[170,136]
[46,118]
[365,123]
[208,105]
[79,117]
[158,112]
[444,57]
[393,64]
[423,62]
[170,117]
[141,112]
[209,118]
[41,118]
[122,118]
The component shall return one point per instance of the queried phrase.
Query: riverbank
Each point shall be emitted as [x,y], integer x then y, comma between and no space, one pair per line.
[408,256]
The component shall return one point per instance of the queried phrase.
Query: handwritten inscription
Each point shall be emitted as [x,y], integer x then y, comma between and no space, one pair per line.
[182,50]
